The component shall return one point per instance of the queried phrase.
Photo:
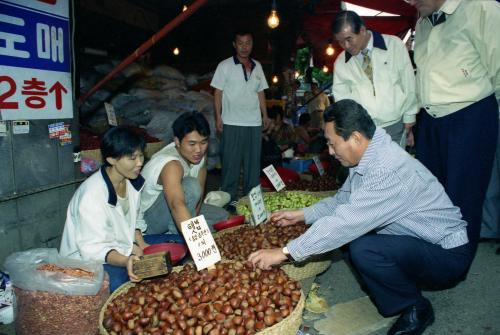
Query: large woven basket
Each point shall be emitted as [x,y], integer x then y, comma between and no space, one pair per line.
[297,270]
[287,326]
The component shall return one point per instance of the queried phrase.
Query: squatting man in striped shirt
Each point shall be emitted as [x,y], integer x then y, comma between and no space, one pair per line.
[403,230]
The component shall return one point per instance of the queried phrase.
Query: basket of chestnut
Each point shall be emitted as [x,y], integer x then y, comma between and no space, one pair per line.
[239,242]
[232,299]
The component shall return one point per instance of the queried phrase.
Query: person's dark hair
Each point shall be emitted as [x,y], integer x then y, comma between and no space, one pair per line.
[349,116]
[304,118]
[347,17]
[275,111]
[241,32]
[188,122]
[120,141]
[314,85]
[297,83]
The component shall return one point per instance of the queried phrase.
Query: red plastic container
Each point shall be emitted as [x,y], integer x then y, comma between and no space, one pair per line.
[232,222]
[287,175]
[314,169]
[177,250]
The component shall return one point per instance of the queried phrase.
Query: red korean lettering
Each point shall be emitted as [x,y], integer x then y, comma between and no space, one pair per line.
[10,92]
[36,90]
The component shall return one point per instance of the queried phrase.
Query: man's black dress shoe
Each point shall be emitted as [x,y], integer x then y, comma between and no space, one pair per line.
[414,320]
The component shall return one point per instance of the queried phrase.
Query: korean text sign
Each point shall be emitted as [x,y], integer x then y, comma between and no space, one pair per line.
[35,80]
[200,242]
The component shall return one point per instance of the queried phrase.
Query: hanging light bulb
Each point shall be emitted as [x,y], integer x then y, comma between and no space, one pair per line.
[296,74]
[184,8]
[330,50]
[275,79]
[273,20]
[176,51]
[325,68]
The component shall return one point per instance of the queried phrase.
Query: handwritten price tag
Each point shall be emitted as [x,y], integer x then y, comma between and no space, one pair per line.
[110,111]
[259,213]
[200,242]
[317,161]
[274,177]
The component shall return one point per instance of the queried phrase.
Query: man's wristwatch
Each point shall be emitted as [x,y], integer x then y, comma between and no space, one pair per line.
[287,253]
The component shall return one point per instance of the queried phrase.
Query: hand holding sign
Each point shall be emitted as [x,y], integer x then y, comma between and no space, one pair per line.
[200,242]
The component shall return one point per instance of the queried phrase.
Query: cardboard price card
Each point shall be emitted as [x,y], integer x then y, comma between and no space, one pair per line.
[110,111]
[200,242]
[317,161]
[259,213]
[274,177]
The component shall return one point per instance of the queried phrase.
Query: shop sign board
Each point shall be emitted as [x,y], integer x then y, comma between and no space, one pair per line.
[35,60]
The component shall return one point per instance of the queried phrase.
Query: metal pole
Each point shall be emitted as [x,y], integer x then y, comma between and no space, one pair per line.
[145,46]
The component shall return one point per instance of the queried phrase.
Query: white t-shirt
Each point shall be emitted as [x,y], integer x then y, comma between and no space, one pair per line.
[240,101]
[151,172]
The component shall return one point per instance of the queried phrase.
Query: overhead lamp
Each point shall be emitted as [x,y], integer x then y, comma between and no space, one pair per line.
[273,20]
[275,79]
[325,69]
[176,51]
[184,8]
[296,74]
[330,50]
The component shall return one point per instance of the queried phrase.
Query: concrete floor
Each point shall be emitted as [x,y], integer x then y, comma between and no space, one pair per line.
[470,308]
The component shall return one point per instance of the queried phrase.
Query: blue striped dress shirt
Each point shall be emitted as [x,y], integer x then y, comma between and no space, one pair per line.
[388,192]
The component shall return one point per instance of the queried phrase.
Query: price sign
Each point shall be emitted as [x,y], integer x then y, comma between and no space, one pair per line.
[110,111]
[259,213]
[317,161]
[274,177]
[200,242]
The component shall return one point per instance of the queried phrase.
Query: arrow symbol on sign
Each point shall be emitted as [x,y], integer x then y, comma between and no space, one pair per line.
[58,88]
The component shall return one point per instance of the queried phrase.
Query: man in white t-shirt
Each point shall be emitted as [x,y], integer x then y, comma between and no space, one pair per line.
[178,171]
[240,114]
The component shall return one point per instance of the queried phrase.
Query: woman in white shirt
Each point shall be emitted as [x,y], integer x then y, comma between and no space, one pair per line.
[101,218]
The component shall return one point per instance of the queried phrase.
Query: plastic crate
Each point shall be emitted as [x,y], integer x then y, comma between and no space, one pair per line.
[299,165]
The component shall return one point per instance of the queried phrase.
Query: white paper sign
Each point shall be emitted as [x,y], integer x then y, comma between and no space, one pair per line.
[274,177]
[259,213]
[20,127]
[3,128]
[110,111]
[317,161]
[200,242]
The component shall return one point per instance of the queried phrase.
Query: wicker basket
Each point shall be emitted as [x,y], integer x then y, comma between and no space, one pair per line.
[287,326]
[298,270]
